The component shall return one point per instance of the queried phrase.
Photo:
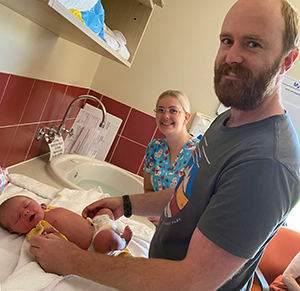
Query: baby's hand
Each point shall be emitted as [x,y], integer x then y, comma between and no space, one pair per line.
[50,229]
[154,220]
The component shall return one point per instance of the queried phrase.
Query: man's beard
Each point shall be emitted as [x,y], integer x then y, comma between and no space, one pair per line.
[248,92]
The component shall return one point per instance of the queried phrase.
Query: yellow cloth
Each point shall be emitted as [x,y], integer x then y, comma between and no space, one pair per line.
[50,208]
[123,253]
[77,14]
[39,228]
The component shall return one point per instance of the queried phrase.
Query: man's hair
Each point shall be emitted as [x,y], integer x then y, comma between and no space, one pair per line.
[291,29]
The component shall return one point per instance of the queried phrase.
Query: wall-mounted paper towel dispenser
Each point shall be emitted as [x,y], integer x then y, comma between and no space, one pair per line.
[200,124]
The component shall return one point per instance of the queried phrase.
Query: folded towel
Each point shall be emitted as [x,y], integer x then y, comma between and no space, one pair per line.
[81,5]
[36,187]
[116,40]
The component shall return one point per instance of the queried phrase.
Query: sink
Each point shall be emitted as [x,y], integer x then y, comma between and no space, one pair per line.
[80,172]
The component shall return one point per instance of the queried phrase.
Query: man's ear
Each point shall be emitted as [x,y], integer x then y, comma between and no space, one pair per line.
[43,206]
[291,58]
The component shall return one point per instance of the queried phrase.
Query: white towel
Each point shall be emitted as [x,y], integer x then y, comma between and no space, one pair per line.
[19,270]
[80,5]
[116,40]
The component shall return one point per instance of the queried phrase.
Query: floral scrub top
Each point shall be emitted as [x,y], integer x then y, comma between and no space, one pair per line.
[157,163]
[3,178]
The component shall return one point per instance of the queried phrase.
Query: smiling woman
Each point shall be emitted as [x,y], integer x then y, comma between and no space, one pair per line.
[167,157]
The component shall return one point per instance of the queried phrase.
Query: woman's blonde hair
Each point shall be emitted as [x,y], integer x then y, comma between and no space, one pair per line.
[180,96]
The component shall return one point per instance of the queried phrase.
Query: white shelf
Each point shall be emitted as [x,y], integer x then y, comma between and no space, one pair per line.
[131,17]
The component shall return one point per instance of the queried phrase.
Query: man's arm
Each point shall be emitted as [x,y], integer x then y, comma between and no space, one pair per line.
[291,273]
[149,188]
[146,204]
[206,266]
[147,183]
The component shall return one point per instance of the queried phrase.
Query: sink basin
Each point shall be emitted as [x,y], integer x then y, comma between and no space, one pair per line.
[80,172]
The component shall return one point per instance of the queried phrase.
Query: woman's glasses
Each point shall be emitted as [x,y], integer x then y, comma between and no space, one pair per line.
[171,110]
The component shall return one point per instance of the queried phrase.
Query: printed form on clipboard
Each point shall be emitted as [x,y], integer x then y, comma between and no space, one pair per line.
[89,139]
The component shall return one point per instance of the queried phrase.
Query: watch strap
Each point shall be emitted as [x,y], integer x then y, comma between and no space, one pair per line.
[127,206]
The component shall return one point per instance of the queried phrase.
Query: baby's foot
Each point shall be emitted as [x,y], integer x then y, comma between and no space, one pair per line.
[127,235]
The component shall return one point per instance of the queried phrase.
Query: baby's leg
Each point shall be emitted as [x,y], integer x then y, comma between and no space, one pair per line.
[127,235]
[107,240]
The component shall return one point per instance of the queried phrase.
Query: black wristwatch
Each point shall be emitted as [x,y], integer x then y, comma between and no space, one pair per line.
[127,206]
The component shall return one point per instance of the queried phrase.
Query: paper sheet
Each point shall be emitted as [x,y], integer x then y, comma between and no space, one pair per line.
[291,99]
[56,147]
[89,139]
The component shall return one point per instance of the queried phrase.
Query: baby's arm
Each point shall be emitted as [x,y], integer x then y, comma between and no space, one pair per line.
[77,229]
[50,229]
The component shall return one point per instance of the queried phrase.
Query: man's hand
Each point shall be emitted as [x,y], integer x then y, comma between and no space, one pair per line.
[115,204]
[55,255]
[154,220]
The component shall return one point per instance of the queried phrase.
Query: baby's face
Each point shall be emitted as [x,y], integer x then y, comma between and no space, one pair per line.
[22,214]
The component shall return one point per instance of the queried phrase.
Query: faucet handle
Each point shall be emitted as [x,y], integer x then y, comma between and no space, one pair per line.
[69,132]
[49,137]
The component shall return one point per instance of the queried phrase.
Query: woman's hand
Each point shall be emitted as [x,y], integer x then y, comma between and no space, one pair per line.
[115,204]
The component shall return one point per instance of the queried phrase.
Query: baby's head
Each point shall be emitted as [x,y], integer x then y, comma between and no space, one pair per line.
[19,214]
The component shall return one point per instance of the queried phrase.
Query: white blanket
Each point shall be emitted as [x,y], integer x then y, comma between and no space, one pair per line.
[19,270]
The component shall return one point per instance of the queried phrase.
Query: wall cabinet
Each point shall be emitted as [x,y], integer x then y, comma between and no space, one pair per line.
[131,17]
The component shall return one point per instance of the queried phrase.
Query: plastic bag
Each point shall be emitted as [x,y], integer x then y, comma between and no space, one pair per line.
[94,18]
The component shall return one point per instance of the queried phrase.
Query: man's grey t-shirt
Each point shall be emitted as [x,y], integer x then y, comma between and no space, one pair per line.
[238,188]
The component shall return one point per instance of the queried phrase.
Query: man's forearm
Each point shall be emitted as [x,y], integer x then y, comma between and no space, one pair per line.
[291,283]
[150,204]
[134,274]
[204,268]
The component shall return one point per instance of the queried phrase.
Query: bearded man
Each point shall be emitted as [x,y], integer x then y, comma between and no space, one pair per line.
[238,187]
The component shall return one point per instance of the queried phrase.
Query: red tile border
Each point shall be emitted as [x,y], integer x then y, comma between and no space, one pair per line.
[22,143]
[128,155]
[139,127]
[53,106]
[28,104]
[3,83]
[14,100]
[37,101]
[6,143]
[116,108]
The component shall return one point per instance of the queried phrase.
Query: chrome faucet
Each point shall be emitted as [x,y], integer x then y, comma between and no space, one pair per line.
[62,128]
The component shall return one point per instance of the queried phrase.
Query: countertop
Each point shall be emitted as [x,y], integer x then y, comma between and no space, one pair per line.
[35,169]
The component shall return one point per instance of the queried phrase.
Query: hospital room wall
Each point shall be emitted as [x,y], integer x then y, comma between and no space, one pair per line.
[41,73]
[177,52]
